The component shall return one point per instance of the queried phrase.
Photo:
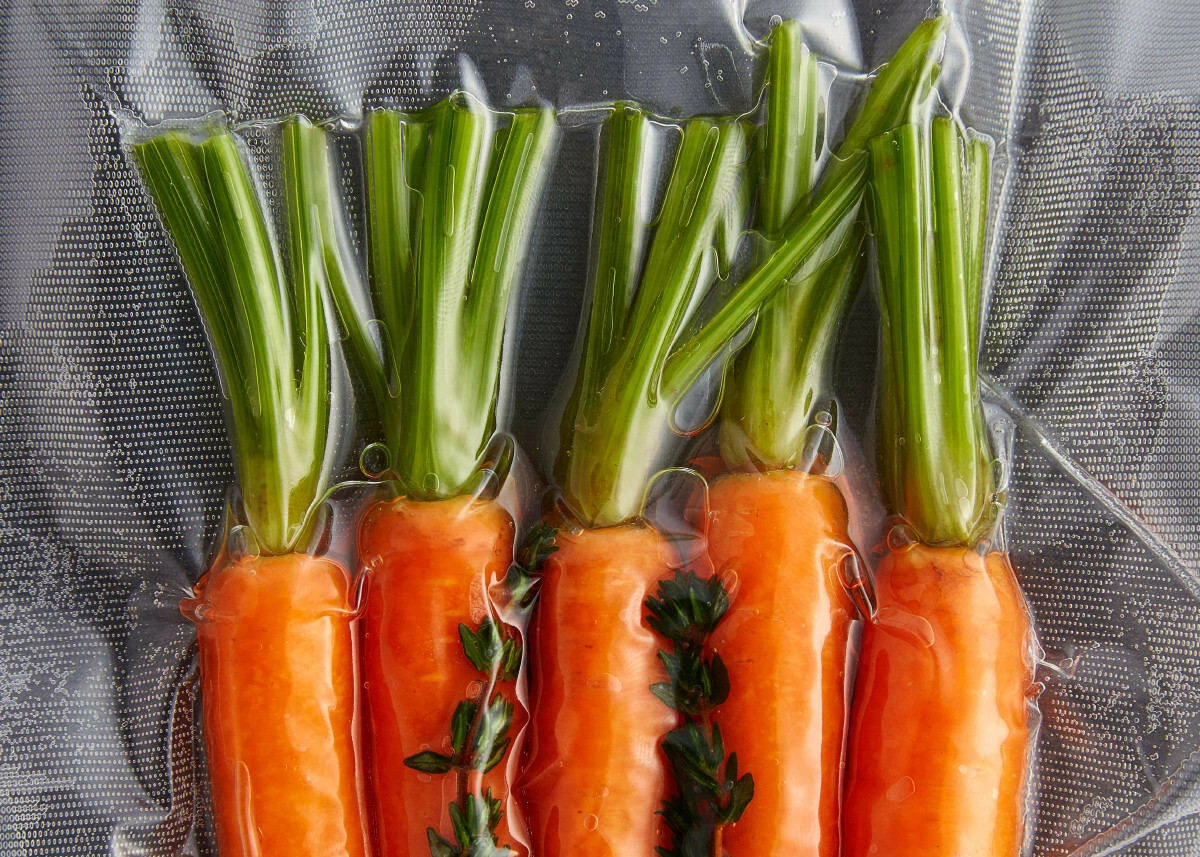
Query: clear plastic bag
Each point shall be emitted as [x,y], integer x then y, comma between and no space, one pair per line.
[113,452]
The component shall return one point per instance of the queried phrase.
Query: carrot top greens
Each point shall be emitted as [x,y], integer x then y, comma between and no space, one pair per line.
[451,197]
[929,191]
[649,272]
[269,326]
[772,392]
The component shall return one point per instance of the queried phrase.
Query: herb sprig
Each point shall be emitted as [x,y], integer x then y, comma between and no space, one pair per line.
[479,727]
[711,793]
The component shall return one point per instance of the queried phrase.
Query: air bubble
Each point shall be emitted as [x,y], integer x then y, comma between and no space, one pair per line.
[242,545]
[374,461]
[900,538]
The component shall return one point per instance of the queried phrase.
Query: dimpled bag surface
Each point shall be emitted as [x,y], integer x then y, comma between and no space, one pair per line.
[113,458]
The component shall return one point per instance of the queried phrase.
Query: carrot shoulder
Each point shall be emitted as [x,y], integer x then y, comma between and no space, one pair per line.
[780,537]
[593,774]
[937,765]
[429,566]
[279,687]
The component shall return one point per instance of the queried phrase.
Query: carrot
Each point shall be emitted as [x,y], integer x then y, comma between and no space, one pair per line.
[274,622]
[592,775]
[782,535]
[776,524]
[939,723]
[451,197]
[422,579]
[591,782]
[279,686]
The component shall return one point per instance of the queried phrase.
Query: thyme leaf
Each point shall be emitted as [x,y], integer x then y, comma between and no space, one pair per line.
[479,727]
[711,793]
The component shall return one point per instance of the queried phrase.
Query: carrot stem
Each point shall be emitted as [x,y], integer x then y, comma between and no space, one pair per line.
[785,367]
[269,331]
[815,233]
[928,203]
[618,416]
[451,202]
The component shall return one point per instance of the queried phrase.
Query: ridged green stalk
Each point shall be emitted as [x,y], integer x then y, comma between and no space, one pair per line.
[451,199]
[928,208]
[269,330]
[773,388]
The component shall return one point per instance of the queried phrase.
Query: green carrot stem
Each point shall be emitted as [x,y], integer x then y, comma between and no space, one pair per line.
[313,210]
[785,366]
[793,116]
[624,211]
[897,93]
[451,204]
[926,207]
[824,227]
[269,332]
[615,427]
[629,386]
[393,210]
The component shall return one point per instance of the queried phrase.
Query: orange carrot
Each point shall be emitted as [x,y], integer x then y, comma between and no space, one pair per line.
[593,781]
[940,723]
[452,193]
[779,529]
[275,631]
[430,567]
[593,775]
[276,648]
[780,537]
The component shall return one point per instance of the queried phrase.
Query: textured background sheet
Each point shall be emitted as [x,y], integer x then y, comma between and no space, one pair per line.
[113,461]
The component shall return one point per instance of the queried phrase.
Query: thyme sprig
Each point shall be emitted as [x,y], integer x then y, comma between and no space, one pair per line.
[479,727]
[710,791]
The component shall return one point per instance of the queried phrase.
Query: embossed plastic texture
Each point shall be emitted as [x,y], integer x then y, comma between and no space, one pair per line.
[113,458]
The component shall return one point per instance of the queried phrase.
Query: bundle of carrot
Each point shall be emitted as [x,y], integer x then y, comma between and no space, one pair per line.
[592,778]
[451,197]
[939,724]
[273,617]
[779,526]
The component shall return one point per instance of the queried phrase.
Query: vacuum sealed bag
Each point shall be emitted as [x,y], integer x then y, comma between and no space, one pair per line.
[558,427]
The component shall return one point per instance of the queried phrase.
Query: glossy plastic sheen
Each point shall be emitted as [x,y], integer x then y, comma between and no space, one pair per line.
[939,726]
[278,681]
[429,567]
[594,777]
[780,536]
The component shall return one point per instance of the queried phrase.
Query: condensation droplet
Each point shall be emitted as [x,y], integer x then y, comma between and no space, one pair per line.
[592,821]
[901,790]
